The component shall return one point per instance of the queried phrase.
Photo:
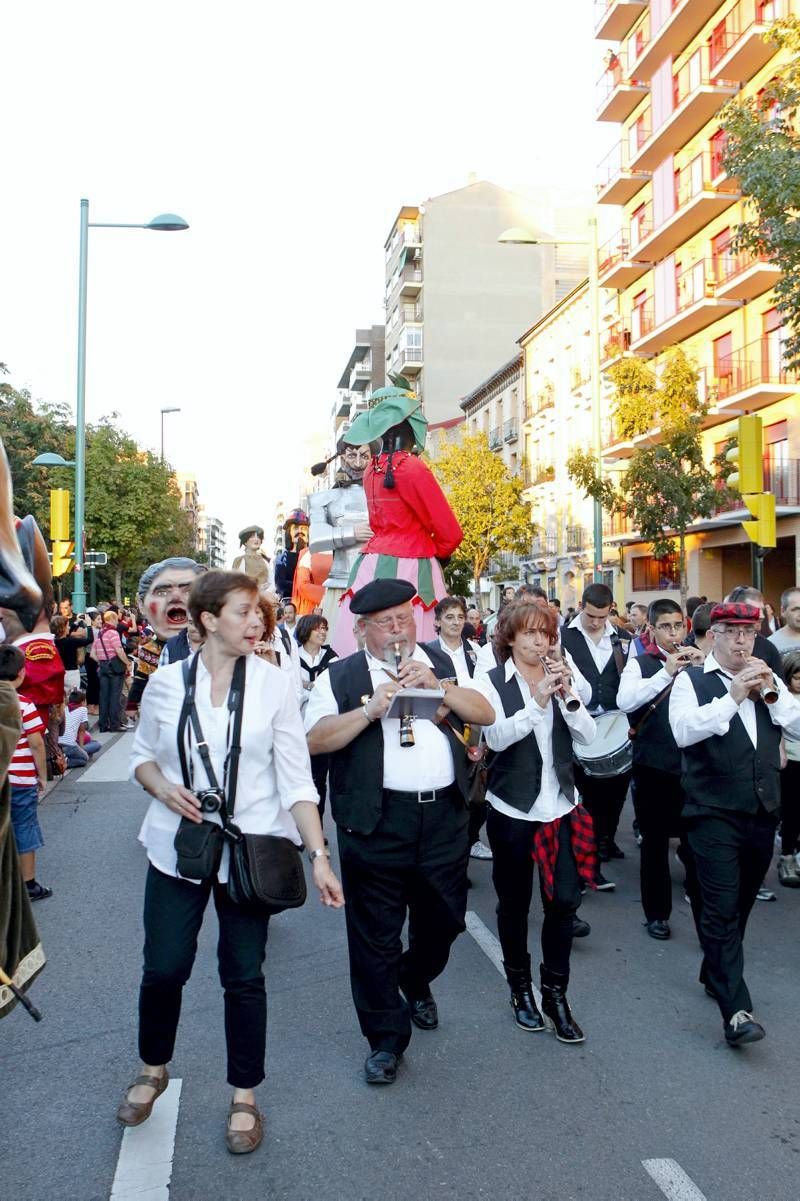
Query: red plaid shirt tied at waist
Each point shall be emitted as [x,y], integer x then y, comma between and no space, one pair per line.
[584,848]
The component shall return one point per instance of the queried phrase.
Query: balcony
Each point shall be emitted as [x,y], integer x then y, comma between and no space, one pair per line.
[545,546]
[653,45]
[617,182]
[697,201]
[576,539]
[542,400]
[618,525]
[617,93]
[495,438]
[696,306]
[613,18]
[543,473]
[411,314]
[616,448]
[695,99]
[409,360]
[510,430]
[737,47]
[506,564]
[743,277]
[615,343]
[752,378]
[342,408]
[617,267]
[361,374]
[781,478]
[410,281]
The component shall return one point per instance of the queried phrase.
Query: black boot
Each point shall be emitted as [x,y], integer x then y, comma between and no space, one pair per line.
[526,1011]
[555,1006]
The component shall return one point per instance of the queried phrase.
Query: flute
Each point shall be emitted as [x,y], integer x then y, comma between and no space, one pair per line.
[406,732]
[571,702]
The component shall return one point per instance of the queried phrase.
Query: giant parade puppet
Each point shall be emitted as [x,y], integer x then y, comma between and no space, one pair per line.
[414,530]
[25,589]
[254,561]
[340,523]
[162,596]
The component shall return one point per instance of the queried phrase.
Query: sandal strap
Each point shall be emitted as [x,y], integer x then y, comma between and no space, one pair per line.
[156,1082]
[243,1107]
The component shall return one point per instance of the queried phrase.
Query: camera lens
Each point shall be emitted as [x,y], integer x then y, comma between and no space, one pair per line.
[209,802]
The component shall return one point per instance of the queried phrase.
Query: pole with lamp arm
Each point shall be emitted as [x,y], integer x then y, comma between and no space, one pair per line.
[173,409]
[165,222]
[518,236]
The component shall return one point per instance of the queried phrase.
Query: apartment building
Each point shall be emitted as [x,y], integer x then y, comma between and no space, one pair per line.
[456,298]
[363,374]
[674,65]
[190,502]
[211,541]
[496,408]
[557,419]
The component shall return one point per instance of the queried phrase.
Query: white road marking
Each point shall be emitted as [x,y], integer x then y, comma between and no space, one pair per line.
[672,1180]
[144,1166]
[112,766]
[490,946]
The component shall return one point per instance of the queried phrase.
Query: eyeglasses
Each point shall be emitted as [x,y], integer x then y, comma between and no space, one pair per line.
[164,589]
[390,623]
[737,632]
[671,627]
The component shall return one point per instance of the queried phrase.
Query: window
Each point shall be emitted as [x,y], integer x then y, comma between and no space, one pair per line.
[723,363]
[638,229]
[776,459]
[716,145]
[637,324]
[655,575]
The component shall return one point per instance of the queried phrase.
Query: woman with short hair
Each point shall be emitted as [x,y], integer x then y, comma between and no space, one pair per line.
[112,665]
[316,656]
[274,795]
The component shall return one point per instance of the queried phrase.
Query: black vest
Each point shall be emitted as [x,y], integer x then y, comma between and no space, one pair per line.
[654,745]
[515,774]
[469,655]
[604,683]
[726,771]
[356,771]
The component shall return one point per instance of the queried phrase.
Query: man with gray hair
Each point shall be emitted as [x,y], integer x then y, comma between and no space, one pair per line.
[162,596]
[787,638]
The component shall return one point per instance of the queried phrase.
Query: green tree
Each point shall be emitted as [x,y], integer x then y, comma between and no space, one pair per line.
[762,151]
[487,500]
[668,486]
[27,430]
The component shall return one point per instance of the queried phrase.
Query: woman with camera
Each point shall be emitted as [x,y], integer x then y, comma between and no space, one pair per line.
[245,725]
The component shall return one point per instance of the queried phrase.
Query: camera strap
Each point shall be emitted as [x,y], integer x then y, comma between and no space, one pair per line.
[189,721]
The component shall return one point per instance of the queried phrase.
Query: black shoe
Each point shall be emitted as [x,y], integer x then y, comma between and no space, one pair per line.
[658,929]
[580,928]
[381,1067]
[603,885]
[603,850]
[555,1006]
[742,1028]
[526,1011]
[614,851]
[37,891]
[424,1013]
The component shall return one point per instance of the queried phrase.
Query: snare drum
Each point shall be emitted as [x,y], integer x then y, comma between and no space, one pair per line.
[611,752]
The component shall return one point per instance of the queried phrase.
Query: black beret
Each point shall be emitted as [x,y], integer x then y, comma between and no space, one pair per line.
[381,594]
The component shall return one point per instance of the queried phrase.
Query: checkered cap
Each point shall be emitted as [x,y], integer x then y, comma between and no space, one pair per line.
[735,614]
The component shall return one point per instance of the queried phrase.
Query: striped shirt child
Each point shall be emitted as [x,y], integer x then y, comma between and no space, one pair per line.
[22,770]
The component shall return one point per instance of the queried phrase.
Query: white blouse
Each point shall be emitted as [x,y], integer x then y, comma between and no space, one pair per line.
[274,768]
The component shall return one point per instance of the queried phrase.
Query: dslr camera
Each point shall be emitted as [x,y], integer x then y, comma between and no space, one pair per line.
[211,800]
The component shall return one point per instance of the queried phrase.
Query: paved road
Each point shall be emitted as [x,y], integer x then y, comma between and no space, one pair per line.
[481,1110]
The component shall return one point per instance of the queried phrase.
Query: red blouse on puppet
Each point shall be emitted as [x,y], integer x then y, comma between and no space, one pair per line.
[413,520]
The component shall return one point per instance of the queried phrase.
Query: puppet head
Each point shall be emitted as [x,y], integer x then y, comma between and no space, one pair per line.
[163,593]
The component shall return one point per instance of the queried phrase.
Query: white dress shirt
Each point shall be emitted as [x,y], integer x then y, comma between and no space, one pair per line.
[601,651]
[274,768]
[580,685]
[692,722]
[425,765]
[551,802]
[290,664]
[634,690]
[459,657]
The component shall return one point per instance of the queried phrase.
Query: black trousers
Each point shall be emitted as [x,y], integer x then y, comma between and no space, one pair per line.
[414,863]
[511,840]
[604,799]
[173,915]
[477,800]
[790,807]
[319,774]
[732,851]
[110,697]
[658,800]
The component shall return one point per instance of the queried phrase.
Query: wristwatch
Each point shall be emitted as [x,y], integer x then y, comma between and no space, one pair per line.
[365,700]
[312,855]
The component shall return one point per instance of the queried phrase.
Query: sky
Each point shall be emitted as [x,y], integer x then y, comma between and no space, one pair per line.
[288,137]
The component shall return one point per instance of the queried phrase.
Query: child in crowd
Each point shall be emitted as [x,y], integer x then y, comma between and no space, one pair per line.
[77,750]
[27,775]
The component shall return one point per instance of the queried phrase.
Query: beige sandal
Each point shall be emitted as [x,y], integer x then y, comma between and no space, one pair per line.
[133,1113]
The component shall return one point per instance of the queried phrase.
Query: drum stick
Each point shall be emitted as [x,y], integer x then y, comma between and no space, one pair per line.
[20,995]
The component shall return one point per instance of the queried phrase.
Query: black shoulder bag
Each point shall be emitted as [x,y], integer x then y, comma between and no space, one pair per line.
[265,869]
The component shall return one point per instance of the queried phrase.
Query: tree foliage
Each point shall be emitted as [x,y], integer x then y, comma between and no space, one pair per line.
[762,151]
[643,400]
[486,499]
[133,510]
[668,486]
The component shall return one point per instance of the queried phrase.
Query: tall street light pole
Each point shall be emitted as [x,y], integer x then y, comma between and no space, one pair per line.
[167,222]
[524,237]
[163,411]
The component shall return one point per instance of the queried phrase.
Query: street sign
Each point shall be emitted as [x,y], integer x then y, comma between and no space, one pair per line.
[96,558]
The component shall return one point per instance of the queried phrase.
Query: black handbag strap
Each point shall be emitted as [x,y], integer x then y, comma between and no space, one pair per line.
[189,715]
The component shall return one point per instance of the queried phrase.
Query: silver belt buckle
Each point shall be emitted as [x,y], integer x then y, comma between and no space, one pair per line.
[428,800]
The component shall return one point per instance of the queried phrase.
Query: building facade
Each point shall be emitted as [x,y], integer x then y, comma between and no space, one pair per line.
[211,540]
[190,503]
[456,298]
[670,264]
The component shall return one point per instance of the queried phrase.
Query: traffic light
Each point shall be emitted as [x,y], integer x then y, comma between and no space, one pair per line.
[59,514]
[62,557]
[747,454]
[761,531]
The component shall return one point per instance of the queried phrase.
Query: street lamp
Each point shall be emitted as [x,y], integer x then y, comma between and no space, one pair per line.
[164,222]
[524,237]
[48,459]
[163,411]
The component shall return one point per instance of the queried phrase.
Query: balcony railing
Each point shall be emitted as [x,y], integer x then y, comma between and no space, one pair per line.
[495,438]
[617,181]
[617,92]
[759,364]
[411,313]
[543,473]
[697,200]
[781,478]
[544,545]
[506,562]
[742,275]
[576,539]
[616,524]
[409,356]
[737,45]
[613,18]
[696,306]
[510,430]
[618,265]
[679,21]
[545,398]
[614,343]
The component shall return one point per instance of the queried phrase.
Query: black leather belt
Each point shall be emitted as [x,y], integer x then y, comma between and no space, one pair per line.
[424,796]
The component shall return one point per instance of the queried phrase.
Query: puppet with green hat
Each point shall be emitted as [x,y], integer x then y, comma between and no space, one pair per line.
[413,526]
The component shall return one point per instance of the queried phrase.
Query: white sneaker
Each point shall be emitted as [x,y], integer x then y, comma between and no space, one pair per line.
[479,850]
